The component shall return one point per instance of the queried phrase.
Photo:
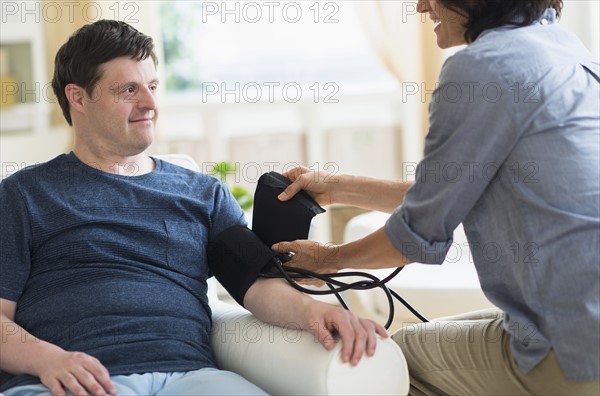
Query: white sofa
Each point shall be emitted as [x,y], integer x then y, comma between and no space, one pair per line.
[434,290]
[288,361]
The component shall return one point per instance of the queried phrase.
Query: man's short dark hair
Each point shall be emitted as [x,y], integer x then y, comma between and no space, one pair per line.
[78,60]
[488,14]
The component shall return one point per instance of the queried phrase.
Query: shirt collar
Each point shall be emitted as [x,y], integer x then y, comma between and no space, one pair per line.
[548,17]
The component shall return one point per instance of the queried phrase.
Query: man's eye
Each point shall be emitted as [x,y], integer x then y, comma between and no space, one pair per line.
[130,90]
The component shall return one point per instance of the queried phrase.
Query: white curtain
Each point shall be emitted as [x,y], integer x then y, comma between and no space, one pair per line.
[404,41]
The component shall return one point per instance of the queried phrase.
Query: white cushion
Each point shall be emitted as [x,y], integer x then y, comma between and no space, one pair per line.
[288,361]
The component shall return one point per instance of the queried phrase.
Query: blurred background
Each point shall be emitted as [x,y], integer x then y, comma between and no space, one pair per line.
[341,86]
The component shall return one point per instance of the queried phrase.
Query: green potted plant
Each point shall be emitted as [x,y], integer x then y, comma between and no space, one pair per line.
[241,194]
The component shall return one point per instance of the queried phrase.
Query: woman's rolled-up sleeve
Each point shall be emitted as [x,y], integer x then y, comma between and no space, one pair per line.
[472,131]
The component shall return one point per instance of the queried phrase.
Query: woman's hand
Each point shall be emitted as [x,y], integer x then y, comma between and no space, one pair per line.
[311,256]
[375,251]
[319,185]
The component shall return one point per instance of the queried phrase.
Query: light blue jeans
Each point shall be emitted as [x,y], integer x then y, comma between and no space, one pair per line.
[207,381]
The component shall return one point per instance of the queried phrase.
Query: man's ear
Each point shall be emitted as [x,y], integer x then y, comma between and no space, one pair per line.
[76,97]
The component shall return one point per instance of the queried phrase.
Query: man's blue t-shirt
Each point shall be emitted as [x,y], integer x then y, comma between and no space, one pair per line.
[110,265]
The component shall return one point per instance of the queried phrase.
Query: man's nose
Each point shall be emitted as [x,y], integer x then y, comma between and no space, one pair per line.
[147,98]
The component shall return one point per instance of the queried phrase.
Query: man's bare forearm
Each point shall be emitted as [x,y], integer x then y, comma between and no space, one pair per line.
[274,301]
[21,352]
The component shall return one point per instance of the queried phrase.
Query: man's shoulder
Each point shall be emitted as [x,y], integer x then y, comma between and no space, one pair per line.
[180,178]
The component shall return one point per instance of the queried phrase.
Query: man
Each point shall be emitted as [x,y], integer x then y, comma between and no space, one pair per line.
[103,260]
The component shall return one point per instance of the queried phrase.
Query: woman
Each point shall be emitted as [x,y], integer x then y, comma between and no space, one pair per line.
[512,153]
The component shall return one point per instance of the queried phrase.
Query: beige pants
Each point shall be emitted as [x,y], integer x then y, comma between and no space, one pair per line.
[470,355]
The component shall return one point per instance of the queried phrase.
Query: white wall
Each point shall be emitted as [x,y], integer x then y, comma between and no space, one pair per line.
[582,17]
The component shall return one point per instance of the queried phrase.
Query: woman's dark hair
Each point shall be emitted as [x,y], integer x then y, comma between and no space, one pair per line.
[488,14]
[78,60]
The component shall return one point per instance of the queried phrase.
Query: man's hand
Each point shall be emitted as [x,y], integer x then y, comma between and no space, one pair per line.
[359,336]
[57,369]
[274,301]
[79,373]
[318,185]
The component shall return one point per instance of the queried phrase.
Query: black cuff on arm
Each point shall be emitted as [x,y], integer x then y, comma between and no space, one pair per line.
[236,257]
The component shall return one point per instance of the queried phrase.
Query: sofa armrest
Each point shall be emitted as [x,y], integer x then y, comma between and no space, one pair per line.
[288,361]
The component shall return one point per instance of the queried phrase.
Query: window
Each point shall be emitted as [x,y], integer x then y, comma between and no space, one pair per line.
[269,48]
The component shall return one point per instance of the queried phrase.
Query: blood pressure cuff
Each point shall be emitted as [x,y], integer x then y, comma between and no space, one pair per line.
[236,257]
[275,221]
